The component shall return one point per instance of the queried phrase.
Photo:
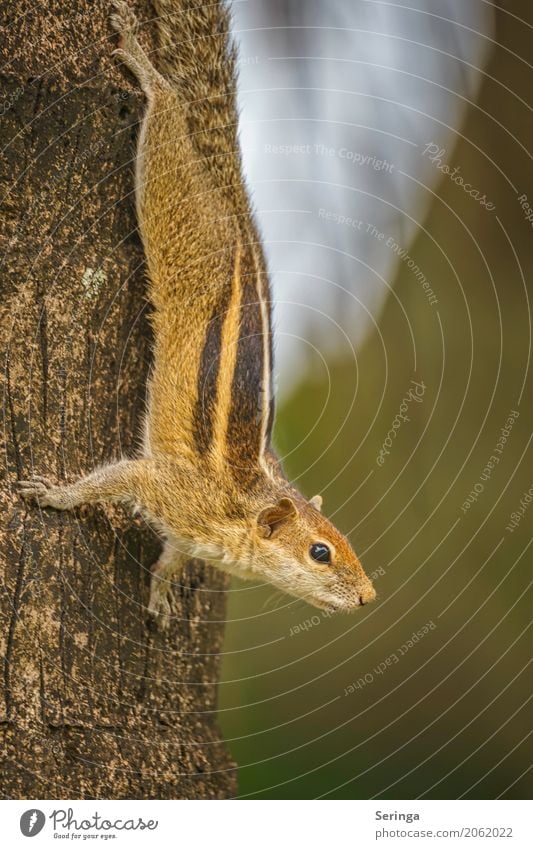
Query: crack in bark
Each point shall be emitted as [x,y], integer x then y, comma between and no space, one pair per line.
[12,626]
[14,434]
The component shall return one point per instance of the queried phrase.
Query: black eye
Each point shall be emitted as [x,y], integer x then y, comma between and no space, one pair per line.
[320,552]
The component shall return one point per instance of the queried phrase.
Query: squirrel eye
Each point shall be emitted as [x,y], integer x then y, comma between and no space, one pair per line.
[320,552]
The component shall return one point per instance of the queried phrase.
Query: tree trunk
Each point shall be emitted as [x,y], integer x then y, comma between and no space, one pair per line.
[95,703]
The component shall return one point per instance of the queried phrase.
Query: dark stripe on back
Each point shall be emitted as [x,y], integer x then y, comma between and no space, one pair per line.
[263,276]
[271,417]
[206,396]
[272,399]
[243,438]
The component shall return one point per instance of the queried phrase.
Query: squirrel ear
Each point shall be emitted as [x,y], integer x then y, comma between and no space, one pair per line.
[316,502]
[272,518]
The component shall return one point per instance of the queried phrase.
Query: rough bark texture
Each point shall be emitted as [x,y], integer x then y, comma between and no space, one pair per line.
[94,702]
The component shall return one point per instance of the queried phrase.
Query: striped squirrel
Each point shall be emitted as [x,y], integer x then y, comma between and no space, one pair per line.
[207,478]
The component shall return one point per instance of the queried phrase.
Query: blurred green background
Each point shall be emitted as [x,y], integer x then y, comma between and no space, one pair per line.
[451,716]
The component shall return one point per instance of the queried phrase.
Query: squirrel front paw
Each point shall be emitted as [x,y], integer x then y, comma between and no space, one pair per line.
[42,492]
[159,606]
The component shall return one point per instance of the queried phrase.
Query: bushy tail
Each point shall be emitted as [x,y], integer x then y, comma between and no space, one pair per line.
[197,55]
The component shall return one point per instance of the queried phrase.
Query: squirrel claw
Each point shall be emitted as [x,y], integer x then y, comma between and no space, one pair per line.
[121,55]
[159,607]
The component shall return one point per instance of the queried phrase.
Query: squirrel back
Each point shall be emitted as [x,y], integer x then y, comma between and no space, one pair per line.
[198,56]
[210,391]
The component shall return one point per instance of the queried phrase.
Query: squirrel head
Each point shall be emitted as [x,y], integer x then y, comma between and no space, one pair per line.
[301,552]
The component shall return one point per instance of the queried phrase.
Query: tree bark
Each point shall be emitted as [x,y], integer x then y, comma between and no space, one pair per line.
[95,703]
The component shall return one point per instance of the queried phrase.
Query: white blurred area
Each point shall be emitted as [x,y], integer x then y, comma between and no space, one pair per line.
[328,90]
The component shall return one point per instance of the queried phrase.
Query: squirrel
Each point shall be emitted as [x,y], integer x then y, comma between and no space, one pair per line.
[207,478]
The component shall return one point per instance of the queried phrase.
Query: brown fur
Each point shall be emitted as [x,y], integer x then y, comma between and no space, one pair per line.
[208,479]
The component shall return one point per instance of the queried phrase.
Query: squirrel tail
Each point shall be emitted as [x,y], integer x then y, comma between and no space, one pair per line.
[198,57]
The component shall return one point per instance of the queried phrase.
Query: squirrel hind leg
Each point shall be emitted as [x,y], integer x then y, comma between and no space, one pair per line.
[130,51]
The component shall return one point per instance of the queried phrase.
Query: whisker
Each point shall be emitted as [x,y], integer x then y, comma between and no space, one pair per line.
[275,596]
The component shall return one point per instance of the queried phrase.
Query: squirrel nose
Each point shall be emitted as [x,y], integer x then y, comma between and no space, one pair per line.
[367,595]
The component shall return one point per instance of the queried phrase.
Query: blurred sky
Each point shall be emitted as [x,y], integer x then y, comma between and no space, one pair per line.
[363,86]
